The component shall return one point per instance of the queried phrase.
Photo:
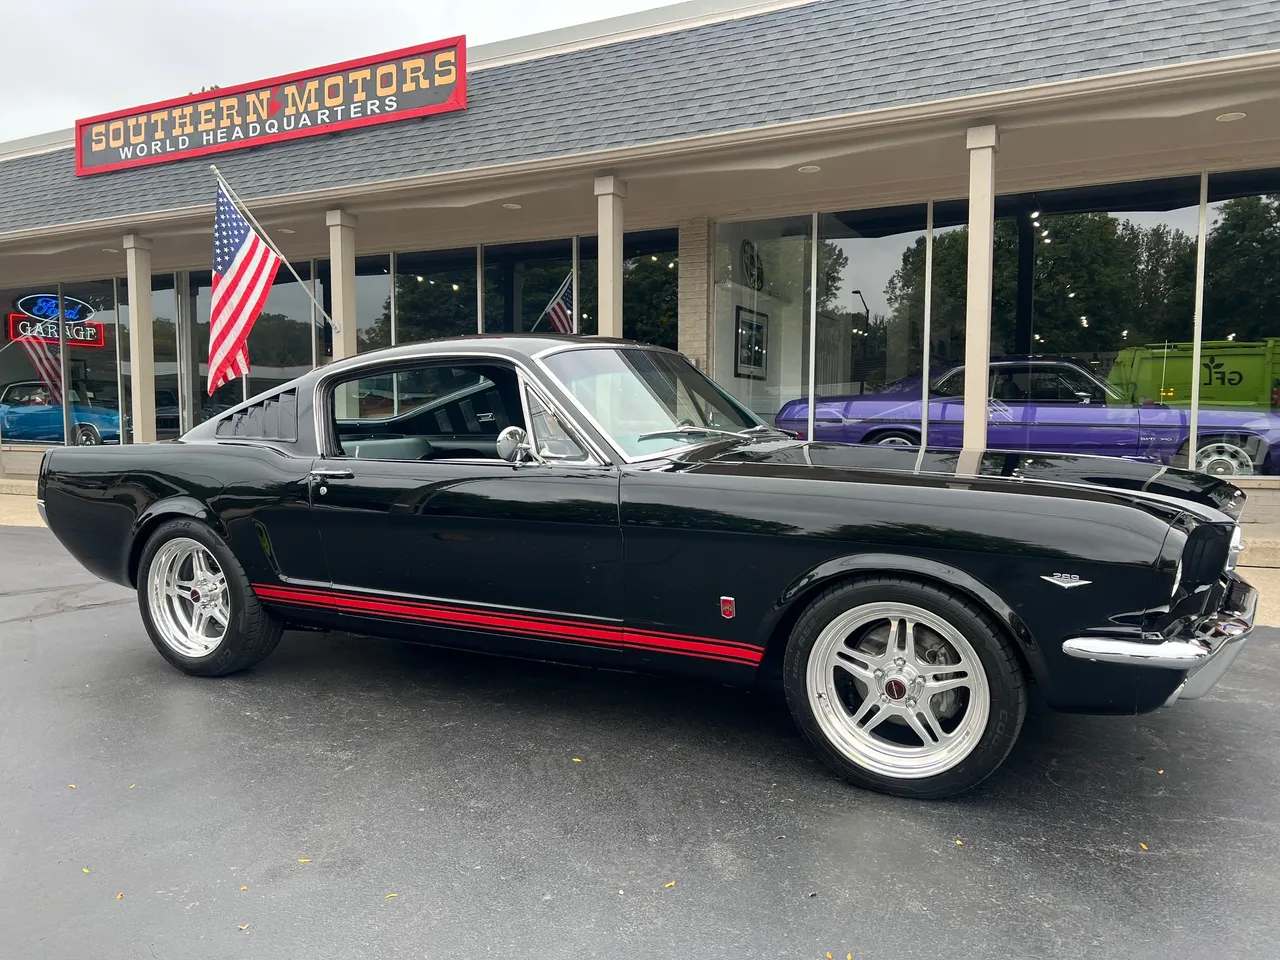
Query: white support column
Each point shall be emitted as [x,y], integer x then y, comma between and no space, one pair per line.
[983,142]
[610,192]
[142,349]
[695,325]
[342,280]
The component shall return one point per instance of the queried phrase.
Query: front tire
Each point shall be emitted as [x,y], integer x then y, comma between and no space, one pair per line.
[903,687]
[197,604]
[1226,456]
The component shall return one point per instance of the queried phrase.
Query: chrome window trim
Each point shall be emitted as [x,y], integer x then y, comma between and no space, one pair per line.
[325,441]
[665,454]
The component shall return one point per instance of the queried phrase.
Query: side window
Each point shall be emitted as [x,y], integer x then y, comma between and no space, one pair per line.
[1011,384]
[437,410]
[952,385]
[554,442]
[1065,385]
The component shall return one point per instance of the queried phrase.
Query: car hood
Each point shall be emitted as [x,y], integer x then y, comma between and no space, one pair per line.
[1061,474]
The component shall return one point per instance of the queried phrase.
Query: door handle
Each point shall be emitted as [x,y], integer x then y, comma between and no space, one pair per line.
[332,473]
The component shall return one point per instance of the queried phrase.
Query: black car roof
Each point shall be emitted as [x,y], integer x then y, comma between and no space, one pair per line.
[520,345]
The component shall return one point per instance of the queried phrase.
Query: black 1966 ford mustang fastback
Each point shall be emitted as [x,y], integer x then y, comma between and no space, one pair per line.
[604,502]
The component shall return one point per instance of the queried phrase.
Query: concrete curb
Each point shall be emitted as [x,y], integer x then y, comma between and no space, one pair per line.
[21,488]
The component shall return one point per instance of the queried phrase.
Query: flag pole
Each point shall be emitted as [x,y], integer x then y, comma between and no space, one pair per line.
[240,205]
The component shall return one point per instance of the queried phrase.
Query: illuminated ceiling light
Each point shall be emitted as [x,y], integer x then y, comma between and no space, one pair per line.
[1228,117]
[1047,240]
[1035,223]
[654,258]
[432,282]
[455,286]
[285,230]
[1044,233]
[1070,295]
[809,168]
[110,250]
[1084,318]
[419,279]
[511,206]
[1231,336]
[671,265]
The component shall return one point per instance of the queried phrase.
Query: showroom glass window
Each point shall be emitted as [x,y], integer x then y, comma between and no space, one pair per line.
[1240,353]
[650,286]
[1095,286]
[521,281]
[761,325]
[280,343]
[31,377]
[373,303]
[435,294]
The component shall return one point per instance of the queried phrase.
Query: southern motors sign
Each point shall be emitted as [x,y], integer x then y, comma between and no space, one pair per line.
[413,82]
[38,320]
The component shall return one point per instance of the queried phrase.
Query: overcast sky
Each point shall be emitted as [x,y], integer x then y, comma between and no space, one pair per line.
[65,59]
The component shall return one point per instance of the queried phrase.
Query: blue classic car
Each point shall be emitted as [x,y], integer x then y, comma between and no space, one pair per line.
[29,412]
[1048,406]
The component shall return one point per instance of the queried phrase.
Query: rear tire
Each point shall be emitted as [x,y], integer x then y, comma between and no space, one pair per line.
[904,687]
[197,604]
[1222,456]
[86,435]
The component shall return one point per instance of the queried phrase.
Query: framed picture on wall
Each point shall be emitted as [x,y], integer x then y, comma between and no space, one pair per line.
[751,344]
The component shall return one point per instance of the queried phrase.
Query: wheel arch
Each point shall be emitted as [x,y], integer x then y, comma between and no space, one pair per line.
[879,430]
[793,601]
[170,508]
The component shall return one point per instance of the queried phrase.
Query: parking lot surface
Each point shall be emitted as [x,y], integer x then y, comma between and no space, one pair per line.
[360,798]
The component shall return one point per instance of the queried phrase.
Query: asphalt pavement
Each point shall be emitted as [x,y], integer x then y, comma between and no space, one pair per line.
[357,798]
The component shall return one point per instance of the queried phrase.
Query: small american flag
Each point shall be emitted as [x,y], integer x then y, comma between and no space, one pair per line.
[244,267]
[560,309]
[44,359]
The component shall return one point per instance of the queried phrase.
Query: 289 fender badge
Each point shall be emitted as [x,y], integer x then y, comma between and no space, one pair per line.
[1067,580]
[727,608]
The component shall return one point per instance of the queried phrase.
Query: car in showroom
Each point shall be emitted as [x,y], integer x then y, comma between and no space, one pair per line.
[1047,405]
[601,502]
[31,413]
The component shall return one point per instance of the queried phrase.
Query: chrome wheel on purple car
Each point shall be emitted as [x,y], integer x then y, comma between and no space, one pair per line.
[1224,458]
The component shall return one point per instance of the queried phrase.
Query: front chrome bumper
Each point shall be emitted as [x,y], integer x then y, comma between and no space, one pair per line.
[1204,652]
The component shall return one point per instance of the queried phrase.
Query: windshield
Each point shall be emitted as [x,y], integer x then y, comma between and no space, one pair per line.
[633,393]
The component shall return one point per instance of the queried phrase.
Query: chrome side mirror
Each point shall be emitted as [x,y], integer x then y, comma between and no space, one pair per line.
[513,444]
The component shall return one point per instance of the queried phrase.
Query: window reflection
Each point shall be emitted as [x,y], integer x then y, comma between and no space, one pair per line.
[435,294]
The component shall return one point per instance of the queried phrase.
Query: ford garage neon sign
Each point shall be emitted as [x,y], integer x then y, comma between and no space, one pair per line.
[37,320]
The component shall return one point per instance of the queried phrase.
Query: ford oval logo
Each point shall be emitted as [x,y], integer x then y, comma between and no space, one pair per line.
[44,306]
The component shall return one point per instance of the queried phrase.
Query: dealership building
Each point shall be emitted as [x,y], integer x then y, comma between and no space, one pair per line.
[1091,185]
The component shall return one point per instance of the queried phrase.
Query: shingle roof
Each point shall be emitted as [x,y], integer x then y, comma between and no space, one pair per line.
[821,59]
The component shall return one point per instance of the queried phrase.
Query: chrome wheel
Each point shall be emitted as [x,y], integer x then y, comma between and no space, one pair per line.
[896,440]
[87,435]
[898,690]
[1220,458]
[188,598]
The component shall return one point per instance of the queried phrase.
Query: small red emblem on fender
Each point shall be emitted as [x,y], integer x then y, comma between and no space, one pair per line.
[726,608]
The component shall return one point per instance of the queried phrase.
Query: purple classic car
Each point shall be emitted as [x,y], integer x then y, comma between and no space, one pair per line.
[1047,405]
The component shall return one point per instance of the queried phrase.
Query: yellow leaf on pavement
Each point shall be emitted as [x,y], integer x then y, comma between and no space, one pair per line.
[132,785]
[669,885]
[828,955]
[119,896]
[304,859]
[959,843]
[577,759]
[391,896]
[85,869]
[244,888]
[244,926]
[71,785]
[1144,846]
[1159,771]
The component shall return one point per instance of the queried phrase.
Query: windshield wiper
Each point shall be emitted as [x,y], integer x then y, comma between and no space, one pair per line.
[688,429]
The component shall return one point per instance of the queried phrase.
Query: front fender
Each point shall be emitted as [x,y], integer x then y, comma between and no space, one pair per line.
[944,573]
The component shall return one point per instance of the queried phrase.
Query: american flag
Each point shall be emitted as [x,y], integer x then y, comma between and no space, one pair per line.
[560,309]
[244,267]
[44,359]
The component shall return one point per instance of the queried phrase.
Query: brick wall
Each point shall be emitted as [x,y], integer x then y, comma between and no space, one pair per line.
[696,249]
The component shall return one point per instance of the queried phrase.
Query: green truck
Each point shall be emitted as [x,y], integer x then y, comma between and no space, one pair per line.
[1232,374]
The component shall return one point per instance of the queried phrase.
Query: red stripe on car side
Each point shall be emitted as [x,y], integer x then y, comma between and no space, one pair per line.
[730,651]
